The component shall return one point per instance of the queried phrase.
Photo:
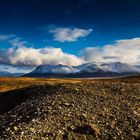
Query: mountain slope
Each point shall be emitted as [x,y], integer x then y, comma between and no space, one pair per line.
[8,74]
[93,68]
[85,70]
[120,67]
[57,69]
[4,73]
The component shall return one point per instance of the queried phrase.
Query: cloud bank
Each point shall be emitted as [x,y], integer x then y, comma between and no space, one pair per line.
[69,34]
[127,51]
[33,57]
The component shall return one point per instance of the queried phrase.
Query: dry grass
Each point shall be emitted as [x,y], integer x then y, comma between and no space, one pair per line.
[7,84]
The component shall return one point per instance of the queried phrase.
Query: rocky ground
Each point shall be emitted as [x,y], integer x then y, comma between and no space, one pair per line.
[87,110]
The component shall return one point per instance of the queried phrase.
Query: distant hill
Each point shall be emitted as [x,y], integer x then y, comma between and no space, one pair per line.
[3,73]
[85,70]
[8,74]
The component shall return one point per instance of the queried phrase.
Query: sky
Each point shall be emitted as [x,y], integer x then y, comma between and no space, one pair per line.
[70,32]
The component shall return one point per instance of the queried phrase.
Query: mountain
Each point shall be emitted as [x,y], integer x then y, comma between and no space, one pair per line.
[14,71]
[120,67]
[4,73]
[92,68]
[8,74]
[85,70]
[57,69]
[83,66]
[137,66]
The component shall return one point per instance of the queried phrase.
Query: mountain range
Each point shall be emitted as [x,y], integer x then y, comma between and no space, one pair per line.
[13,71]
[8,74]
[85,70]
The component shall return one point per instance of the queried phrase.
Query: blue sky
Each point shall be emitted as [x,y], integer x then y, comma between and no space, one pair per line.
[73,26]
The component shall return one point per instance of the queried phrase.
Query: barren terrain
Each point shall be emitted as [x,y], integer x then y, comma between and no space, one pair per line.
[69,109]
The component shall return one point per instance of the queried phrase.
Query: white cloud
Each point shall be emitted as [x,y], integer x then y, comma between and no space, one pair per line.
[13,40]
[17,42]
[69,34]
[34,57]
[127,51]
[20,54]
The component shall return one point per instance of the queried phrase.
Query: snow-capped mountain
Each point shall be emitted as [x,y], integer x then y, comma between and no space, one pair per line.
[119,67]
[91,69]
[57,69]
[116,67]
[80,67]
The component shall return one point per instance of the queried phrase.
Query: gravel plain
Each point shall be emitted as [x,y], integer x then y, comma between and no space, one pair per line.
[92,109]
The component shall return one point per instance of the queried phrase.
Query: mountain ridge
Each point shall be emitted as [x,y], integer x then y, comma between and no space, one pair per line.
[85,70]
[8,74]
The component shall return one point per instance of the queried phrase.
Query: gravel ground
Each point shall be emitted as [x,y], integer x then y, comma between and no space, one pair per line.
[88,110]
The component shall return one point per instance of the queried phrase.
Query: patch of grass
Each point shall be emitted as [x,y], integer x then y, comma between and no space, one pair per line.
[7,84]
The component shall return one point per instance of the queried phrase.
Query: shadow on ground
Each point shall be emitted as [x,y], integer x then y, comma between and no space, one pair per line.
[11,99]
